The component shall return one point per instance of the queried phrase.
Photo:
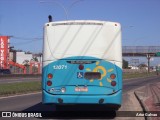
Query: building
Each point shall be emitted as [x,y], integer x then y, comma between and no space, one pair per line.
[21,57]
[18,61]
[133,67]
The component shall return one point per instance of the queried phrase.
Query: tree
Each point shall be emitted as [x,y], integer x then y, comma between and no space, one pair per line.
[35,59]
[125,64]
[26,63]
[142,66]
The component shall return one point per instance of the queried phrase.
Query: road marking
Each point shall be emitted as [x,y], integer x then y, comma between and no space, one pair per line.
[20,95]
[22,78]
[15,82]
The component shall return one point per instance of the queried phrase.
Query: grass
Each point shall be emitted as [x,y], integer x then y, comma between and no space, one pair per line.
[30,87]
[19,88]
[137,75]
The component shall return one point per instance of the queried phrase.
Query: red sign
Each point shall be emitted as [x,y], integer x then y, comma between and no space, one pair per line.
[4,52]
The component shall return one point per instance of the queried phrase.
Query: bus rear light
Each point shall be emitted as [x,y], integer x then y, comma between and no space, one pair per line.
[81,67]
[49,83]
[112,76]
[50,76]
[113,83]
[63,90]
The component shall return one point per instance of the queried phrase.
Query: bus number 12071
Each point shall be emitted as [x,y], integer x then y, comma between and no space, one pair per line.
[60,67]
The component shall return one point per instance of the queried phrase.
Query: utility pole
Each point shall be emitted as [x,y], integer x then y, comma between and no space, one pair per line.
[40,54]
[148,58]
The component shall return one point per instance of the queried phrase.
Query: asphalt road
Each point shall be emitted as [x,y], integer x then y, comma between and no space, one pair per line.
[32,102]
[139,82]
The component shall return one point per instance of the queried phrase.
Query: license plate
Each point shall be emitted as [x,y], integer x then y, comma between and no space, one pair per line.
[81,89]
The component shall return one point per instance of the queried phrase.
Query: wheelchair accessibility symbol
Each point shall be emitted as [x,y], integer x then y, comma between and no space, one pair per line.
[80,75]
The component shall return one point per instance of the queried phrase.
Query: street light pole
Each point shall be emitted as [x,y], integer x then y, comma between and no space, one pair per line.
[40,54]
[74,2]
[66,11]
[148,58]
[60,4]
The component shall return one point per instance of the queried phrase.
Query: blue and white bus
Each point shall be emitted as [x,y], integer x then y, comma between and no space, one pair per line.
[82,63]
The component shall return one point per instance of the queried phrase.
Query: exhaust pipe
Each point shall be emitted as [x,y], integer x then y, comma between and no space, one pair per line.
[50,18]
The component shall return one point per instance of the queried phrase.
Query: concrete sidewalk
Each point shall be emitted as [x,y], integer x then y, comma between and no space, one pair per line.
[149,98]
[129,107]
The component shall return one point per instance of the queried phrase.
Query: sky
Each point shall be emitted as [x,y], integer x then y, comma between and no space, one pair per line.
[24,19]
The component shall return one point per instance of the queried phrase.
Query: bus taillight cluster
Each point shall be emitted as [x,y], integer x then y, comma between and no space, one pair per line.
[113,76]
[49,82]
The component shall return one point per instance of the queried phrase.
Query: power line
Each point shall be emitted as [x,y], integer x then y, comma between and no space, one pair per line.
[27,39]
[27,42]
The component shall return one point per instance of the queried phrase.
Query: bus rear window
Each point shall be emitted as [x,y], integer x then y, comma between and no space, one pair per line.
[92,75]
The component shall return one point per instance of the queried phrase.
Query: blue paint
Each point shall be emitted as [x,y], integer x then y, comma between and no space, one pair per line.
[83,99]
[68,78]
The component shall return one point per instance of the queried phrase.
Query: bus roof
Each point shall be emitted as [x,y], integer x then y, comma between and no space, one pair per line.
[81,22]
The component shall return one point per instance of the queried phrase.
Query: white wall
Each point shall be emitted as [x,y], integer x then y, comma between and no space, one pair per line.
[21,56]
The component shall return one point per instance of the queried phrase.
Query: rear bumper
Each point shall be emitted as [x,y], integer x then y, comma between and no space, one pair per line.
[114,99]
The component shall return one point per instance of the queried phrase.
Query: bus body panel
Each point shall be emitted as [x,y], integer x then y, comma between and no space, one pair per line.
[66,75]
[96,45]
[85,38]
[115,99]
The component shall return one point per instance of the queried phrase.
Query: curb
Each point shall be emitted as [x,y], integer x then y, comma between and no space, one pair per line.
[148,99]
[18,95]
[141,104]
